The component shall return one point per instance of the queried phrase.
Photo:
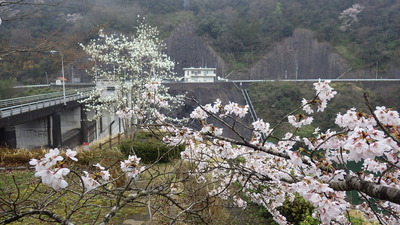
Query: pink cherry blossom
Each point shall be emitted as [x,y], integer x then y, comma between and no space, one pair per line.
[261,126]
[88,182]
[71,154]
[299,120]
[238,110]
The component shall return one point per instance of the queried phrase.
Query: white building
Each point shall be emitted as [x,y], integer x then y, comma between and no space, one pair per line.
[60,80]
[200,74]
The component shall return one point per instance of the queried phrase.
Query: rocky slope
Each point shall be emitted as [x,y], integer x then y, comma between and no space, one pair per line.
[188,50]
[300,56]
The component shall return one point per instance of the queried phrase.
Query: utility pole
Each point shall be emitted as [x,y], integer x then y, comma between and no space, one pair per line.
[47,78]
[62,71]
[186,4]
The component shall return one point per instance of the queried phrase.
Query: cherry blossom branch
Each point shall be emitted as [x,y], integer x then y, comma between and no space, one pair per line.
[351,182]
[378,121]
[231,127]
[130,198]
[50,214]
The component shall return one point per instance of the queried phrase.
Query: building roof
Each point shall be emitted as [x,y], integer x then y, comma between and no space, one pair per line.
[62,78]
[192,68]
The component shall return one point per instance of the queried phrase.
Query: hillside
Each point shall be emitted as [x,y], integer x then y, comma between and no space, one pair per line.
[260,39]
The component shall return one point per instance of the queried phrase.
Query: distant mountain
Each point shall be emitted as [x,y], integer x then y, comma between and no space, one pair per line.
[244,38]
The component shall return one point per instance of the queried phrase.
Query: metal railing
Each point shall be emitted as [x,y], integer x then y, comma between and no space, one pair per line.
[315,80]
[27,99]
[253,113]
[22,105]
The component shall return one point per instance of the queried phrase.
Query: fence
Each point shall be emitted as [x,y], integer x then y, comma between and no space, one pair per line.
[109,142]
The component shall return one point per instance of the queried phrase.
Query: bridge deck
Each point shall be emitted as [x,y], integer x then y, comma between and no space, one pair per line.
[15,106]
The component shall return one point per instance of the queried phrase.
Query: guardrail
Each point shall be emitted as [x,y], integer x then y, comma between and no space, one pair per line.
[27,99]
[314,80]
[43,103]
[253,113]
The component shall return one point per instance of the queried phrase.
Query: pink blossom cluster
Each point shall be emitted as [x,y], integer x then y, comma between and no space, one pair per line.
[211,129]
[387,116]
[51,168]
[300,120]
[324,93]
[352,119]
[125,113]
[349,16]
[366,143]
[261,127]
[93,180]
[230,109]
[131,167]
[236,109]
[198,113]
[152,96]
[152,86]
[329,204]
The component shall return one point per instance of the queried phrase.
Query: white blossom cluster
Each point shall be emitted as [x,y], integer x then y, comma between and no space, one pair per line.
[135,65]
[324,93]
[53,168]
[50,168]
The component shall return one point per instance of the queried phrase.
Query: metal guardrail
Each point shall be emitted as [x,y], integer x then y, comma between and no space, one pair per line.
[41,102]
[315,80]
[253,113]
[27,99]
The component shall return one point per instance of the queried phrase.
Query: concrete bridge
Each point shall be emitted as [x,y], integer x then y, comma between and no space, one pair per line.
[51,120]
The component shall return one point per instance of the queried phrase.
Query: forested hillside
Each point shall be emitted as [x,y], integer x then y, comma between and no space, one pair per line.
[241,32]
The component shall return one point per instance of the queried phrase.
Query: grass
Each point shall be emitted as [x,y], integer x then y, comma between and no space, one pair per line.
[62,201]
[22,187]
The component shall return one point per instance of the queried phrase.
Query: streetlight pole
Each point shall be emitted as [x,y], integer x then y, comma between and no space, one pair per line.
[62,71]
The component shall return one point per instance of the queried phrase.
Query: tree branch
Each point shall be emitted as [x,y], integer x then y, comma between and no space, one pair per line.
[52,215]
[354,183]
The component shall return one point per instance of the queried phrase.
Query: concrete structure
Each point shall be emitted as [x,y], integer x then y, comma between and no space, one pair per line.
[199,74]
[108,87]
[50,123]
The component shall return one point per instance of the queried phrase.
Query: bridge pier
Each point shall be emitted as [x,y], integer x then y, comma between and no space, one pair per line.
[66,128]
[45,121]
[32,134]
[84,126]
[56,130]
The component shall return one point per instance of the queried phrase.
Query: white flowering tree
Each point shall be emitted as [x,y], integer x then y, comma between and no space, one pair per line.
[135,65]
[272,170]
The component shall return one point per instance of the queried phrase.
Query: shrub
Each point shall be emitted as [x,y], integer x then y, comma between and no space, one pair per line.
[18,157]
[150,149]
[86,159]
[297,212]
